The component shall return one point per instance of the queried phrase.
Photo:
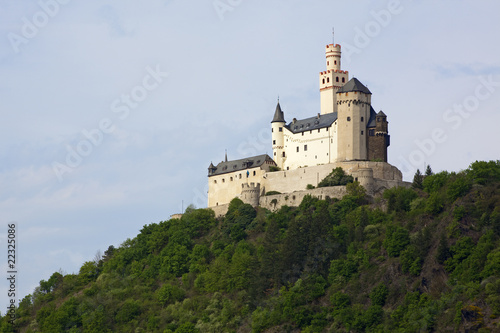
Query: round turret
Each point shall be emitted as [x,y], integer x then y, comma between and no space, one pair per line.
[333,57]
[278,137]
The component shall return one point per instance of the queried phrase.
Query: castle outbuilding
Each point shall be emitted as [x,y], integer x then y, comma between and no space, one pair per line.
[347,132]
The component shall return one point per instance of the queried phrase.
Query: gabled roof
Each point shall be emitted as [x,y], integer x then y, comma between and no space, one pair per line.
[308,124]
[381,114]
[242,164]
[278,115]
[354,85]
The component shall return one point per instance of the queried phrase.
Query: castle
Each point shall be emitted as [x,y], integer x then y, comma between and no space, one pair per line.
[347,132]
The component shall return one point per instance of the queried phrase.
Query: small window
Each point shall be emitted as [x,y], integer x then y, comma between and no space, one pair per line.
[274,142]
[240,176]
[288,168]
[281,129]
[223,180]
[335,62]
[323,81]
[231,178]
[343,80]
[328,80]
[215,181]
[362,119]
[274,153]
[272,130]
[327,63]
[319,129]
[283,154]
[337,79]
[302,133]
[297,149]
[348,118]
[254,173]
[305,147]
[371,132]
[362,132]
[378,119]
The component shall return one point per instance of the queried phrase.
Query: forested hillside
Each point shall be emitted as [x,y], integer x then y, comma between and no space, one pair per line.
[425,259]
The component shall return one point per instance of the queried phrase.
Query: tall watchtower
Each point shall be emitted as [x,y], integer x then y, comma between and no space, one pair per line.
[332,79]
[354,103]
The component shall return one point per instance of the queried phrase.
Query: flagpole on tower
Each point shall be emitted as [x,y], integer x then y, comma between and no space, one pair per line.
[333,36]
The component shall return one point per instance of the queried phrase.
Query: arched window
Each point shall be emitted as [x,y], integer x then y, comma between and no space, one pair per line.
[337,79]
[323,81]
[328,80]
[335,62]
[343,80]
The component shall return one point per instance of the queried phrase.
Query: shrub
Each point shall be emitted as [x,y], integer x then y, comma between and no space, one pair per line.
[310,187]
[335,178]
[272,193]
[378,295]
[396,241]
[273,168]
[170,294]
[399,199]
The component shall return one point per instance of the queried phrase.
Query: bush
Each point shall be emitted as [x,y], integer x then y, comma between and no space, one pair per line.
[396,240]
[340,300]
[310,187]
[399,199]
[272,193]
[170,294]
[335,178]
[273,168]
[379,294]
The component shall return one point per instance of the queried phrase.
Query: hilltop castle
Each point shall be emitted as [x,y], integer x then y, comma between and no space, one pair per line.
[347,132]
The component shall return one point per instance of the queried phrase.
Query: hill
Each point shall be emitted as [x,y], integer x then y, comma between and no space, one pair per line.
[425,259]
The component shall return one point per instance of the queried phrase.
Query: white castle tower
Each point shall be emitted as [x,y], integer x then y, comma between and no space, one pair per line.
[277,128]
[353,109]
[332,79]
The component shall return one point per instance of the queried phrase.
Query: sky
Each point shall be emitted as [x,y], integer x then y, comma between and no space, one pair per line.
[113,110]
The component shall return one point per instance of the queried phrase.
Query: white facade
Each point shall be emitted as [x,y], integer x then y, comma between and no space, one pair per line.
[309,148]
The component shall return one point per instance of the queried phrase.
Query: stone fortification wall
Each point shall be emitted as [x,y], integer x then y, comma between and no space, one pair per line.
[294,180]
[295,198]
[220,210]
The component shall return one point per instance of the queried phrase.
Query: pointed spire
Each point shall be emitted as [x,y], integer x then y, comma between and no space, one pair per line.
[279,116]
[225,159]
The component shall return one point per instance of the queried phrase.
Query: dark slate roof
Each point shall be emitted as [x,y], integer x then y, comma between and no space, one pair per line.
[354,85]
[308,124]
[372,120]
[381,114]
[278,115]
[238,165]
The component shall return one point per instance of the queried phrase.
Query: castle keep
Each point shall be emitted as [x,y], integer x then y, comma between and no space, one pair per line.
[347,132]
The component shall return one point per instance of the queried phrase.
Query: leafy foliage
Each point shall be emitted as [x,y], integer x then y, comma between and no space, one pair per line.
[335,178]
[430,263]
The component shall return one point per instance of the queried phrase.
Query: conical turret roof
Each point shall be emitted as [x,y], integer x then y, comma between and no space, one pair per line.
[278,115]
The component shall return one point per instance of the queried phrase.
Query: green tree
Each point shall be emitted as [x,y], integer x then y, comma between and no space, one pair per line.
[418,179]
[397,238]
